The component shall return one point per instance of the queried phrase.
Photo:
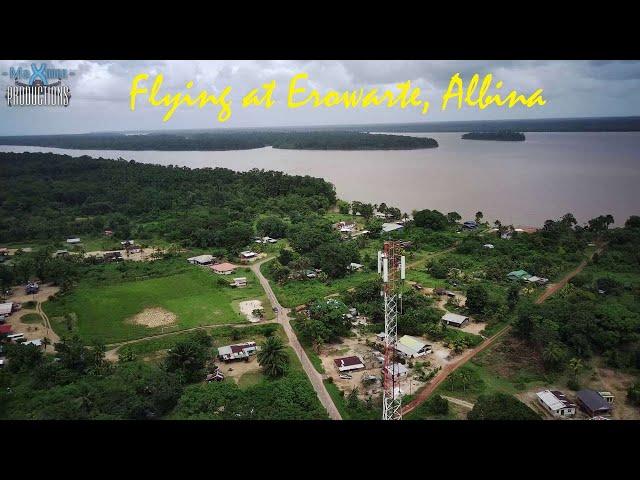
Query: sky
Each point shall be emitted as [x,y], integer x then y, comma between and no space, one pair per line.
[100,92]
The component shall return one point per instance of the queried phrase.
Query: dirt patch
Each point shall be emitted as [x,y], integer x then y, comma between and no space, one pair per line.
[144,255]
[234,370]
[513,359]
[247,307]
[154,317]
[617,383]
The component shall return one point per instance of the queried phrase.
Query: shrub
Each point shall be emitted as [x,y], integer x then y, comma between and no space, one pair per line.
[437,405]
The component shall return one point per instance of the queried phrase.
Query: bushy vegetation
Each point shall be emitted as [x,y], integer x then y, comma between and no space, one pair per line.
[500,406]
[82,385]
[598,313]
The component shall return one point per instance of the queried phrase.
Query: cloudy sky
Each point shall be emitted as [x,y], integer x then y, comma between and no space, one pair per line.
[100,92]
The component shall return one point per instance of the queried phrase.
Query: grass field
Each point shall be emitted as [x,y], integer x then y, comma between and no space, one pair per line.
[195,296]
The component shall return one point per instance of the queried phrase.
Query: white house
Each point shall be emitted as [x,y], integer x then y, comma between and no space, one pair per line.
[455,320]
[201,260]
[248,255]
[348,364]
[73,241]
[239,351]
[556,403]
[355,266]
[412,347]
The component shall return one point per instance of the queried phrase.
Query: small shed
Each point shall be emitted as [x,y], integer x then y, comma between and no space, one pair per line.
[518,275]
[73,241]
[397,370]
[455,320]
[240,282]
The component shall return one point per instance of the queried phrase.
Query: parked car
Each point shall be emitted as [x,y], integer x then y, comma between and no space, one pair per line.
[345,376]
[218,376]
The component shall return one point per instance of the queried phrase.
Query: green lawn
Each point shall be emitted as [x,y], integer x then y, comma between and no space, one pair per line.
[195,296]
[31,318]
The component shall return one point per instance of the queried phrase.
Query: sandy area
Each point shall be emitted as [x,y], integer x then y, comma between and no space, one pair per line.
[617,383]
[234,370]
[32,331]
[247,307]
[154,317]
[144,255]
[19,295]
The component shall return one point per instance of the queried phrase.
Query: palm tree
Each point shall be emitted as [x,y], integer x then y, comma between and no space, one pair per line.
[575,365]
[272,357]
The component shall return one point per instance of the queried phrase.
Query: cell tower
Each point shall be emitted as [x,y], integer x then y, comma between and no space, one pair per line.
[391,266]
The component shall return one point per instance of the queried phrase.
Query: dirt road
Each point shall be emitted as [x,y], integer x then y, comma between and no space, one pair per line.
[458,401]
[283,319]
[464,358]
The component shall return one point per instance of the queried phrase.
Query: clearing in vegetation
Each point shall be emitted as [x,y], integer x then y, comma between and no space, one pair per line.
[125,311]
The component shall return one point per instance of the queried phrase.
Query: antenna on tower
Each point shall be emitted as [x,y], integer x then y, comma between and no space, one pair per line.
[391,266]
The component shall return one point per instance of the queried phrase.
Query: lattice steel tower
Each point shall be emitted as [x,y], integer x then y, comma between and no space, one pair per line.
[391,266]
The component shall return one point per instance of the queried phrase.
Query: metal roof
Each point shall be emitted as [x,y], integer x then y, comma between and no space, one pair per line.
[5,308]
[412,343]
[454,318]
[390,227]
[593,400]
[550,400]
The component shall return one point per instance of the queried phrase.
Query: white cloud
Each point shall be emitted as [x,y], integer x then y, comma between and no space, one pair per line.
[100,91]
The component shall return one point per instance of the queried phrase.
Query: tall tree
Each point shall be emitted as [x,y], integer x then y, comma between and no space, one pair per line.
[273,357]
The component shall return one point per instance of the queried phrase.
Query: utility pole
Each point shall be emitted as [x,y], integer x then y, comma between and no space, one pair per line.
[391,266]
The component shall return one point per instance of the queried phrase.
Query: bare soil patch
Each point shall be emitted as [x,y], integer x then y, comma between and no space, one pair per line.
[248,306]
[154,317]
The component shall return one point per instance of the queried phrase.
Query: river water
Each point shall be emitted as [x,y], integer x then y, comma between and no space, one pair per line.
[520,183]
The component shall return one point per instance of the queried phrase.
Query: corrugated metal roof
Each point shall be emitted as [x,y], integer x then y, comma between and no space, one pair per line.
[412,343]
[454,318]
[550,400]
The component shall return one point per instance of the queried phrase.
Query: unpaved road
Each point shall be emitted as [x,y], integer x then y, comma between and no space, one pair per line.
[458,401]
[465,357]
[283,319]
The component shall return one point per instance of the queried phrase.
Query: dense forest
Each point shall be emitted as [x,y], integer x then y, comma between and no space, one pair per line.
[49,197]
[225,140]
[498,136]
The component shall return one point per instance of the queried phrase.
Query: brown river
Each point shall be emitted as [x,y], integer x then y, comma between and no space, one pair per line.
[520,183]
